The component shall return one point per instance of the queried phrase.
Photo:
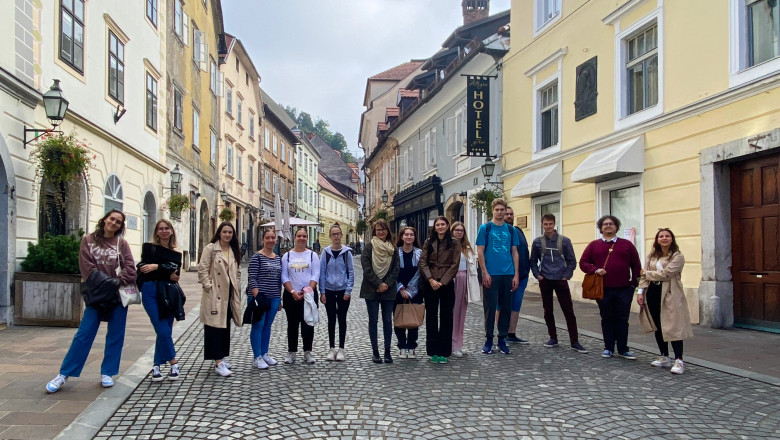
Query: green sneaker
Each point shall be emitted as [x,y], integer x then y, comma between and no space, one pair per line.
[442,360]
[434,359]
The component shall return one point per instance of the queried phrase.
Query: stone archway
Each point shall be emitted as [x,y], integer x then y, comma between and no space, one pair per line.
[7,232]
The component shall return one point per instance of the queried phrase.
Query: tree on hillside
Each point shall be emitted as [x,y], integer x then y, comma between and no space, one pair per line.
[321,127]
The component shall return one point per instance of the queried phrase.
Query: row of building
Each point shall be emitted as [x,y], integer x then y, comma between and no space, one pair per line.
[662,113]
[168,102]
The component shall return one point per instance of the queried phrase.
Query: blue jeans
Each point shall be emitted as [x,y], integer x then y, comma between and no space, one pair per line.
[517,295]
[260,336]
[82,342]
[163,345]
[498,297]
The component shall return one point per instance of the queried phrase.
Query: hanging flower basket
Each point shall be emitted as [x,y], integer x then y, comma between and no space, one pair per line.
[60,160]
[482,199]
[227,215]
[176,204]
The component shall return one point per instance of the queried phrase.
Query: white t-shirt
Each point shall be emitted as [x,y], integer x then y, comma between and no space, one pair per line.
[300,268]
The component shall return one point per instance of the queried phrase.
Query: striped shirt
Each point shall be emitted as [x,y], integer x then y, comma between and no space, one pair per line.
[265,274]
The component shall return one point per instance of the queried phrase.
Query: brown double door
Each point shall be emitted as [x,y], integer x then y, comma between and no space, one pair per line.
[755,241]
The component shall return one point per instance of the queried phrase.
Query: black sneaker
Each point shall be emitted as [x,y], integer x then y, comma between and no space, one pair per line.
[156,375]
[502,346]
[488,348]
[551,343]
[375,358]
[578,347]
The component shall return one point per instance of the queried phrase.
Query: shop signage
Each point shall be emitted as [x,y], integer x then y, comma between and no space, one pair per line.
[477,115]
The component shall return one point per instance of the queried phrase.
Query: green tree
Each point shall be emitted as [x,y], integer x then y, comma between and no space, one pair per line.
[322,128]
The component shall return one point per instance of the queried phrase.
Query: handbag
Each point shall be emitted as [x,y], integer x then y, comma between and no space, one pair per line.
[408,315]
[646,320]
[593,284]
[128,293]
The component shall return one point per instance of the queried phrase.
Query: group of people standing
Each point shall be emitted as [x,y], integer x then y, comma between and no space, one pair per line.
[445,273]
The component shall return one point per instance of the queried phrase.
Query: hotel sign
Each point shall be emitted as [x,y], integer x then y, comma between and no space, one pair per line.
[477,115]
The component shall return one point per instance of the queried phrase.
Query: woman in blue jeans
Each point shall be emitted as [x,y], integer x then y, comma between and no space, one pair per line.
[264,285]
[160,265]
[108,256]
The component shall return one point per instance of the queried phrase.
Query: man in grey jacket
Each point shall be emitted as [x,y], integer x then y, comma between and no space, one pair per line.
[553,263]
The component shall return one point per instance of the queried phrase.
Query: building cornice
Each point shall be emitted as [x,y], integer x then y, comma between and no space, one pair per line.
[547,61]
[19,90]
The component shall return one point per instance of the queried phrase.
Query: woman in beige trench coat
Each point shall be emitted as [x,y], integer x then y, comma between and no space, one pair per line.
[219,273]
[661,290]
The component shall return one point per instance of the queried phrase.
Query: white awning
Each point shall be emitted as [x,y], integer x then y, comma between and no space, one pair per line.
[541,181]
[615,161]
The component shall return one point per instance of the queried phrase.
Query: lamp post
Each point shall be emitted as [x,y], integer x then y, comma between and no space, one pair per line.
[384,198]
[487,170]
[55,105]
[224,196]
[176,176]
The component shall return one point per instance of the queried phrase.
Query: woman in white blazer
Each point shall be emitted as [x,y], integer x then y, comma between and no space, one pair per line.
[466,286]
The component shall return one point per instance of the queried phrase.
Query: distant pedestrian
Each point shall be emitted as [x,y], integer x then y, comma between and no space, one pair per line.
[523,270]
[380,264]
[553,263]
[316,246]
[105,263]
[662,292]
[159,269]
[621,275]
[497,244]
[219,272]
[466,286]
[438,265]
[264,285]
[337,278]
[408,285]
[300,269]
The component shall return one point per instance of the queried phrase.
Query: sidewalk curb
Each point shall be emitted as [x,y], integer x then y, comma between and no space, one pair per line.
[771,380]
[92,419]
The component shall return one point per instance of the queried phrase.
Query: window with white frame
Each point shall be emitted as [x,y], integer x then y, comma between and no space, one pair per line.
[642,69]
[548,116]
[213,150]
[266,139]
[284,151]
[116,67]
[300,157]
[251,124]
[196,129]
[181,22]
[151,102]
[274,148]
[151,11]
[239,167]
[229,154]
[72,33]
[431,149]
[451,135]
[623,199]
[550,204]
[239,110]
[276,184]
[292,156]
[755,40]
[401,168]
[213,74]
[421,153]
[113,196]
[251,175]
[300,189]
[282,189]
[267,179]
[409,163]
[546,11]
[291,189]
[200,49]
[229,100]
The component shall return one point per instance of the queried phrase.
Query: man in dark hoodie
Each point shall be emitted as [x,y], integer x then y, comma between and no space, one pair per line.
[553,263]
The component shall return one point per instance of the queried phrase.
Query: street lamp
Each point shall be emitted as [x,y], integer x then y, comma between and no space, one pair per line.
[55,106]
[176,177]
[224,196]
[384,198]
[487,170]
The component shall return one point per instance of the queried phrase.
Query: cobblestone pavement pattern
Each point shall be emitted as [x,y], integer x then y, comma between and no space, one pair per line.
[535,392]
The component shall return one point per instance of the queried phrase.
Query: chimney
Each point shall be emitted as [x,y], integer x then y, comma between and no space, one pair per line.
[474,10]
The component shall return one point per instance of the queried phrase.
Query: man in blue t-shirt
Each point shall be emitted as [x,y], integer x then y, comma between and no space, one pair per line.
[499,262]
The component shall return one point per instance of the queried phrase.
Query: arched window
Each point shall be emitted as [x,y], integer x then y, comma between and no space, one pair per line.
[113,197]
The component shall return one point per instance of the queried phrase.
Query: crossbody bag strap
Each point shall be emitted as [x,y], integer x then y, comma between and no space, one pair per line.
[608,255]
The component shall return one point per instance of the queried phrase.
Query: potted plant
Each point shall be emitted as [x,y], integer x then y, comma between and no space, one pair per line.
[176,204]
[227,214]
[59,161]
[48,291]
[482,199]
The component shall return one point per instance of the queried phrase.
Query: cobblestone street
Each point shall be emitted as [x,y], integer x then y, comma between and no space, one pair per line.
[535,392]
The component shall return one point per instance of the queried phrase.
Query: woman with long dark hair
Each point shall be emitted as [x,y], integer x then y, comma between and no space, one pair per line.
[438,265]
[219,272]
[160,266]
[380,272]
[105,263]
[265,285]
[300,270]
[409,253]
[661,290]
[466,285]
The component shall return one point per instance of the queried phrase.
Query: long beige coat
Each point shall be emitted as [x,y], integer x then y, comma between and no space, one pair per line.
[675,318]
[215,274]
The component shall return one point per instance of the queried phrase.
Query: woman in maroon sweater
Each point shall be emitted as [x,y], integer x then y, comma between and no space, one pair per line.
[621,276]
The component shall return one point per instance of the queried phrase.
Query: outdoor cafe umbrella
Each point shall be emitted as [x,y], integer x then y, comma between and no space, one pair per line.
[287,229]
[278,217]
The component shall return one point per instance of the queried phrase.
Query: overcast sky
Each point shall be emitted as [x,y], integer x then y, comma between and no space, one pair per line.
[317,54]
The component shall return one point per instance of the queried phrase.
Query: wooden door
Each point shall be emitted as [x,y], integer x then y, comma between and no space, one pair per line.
[755,241]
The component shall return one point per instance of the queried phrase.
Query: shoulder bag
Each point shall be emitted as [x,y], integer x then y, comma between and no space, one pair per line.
[592,284]
[128,293]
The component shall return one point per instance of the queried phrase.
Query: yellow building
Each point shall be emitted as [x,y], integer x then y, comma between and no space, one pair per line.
[337,206]
[665,114]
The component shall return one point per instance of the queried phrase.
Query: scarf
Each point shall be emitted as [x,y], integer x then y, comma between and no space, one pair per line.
[382,256]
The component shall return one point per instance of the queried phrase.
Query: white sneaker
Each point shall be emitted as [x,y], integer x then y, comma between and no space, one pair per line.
[228,365]
[156,374]
[308,358]
[402,353]
[457,353]
[269,360]
[55,384]
[106,381]
[290,359]
[679,367]
[260,363]
[331,355]
[222,370]
[662,361]
[174,373]
[411,354]
[340,355]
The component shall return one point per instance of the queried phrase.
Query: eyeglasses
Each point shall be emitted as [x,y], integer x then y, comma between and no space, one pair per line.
[607,224]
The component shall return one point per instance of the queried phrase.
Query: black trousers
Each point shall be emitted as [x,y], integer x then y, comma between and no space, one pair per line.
[372,306]
[615,309]
[294,311]
[337,308]
[561,289]
[438,319]
[216,341]
[653,299]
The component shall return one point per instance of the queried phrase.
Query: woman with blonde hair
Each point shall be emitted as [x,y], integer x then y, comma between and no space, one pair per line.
[380,272]
[466,286]
[159,271]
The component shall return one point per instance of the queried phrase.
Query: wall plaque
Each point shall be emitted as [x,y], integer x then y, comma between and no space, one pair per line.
[585,100]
